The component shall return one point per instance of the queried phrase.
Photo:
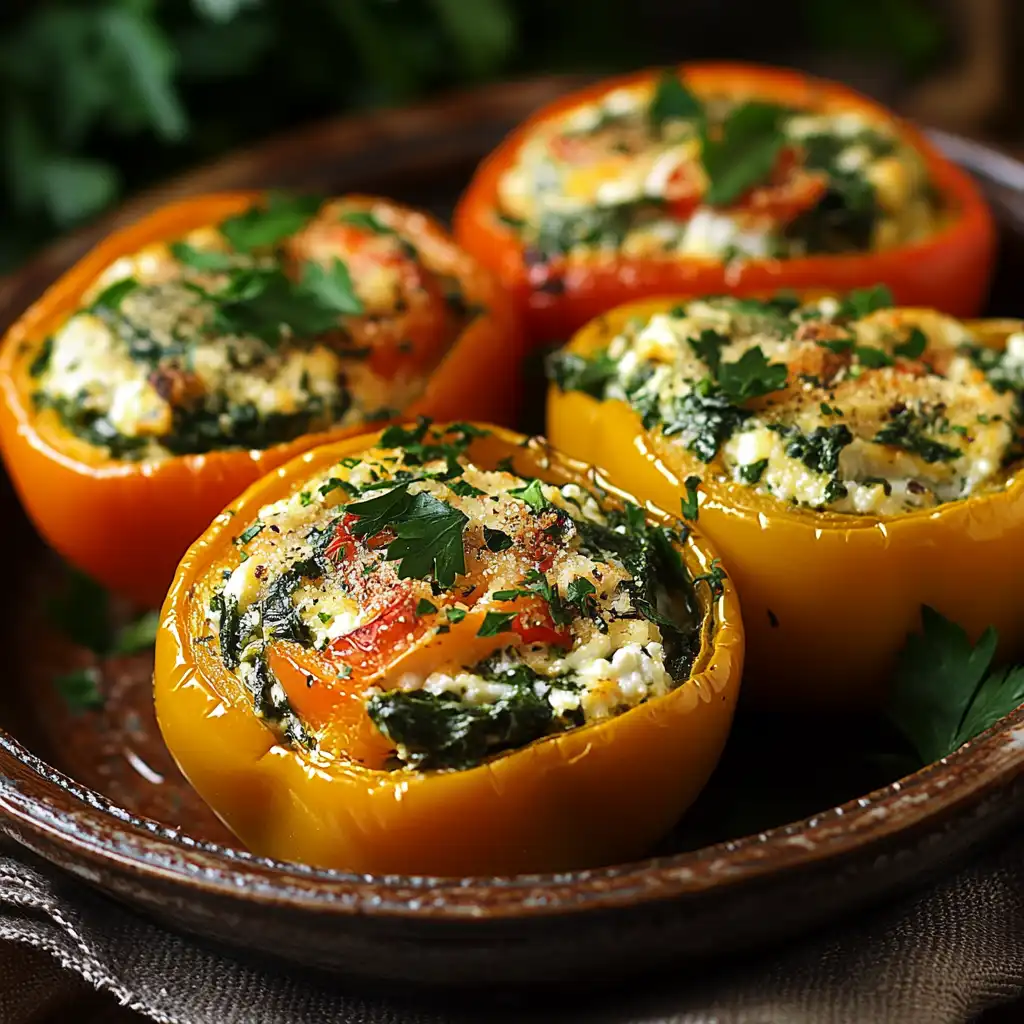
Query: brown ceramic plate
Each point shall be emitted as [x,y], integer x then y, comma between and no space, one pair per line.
[98,795]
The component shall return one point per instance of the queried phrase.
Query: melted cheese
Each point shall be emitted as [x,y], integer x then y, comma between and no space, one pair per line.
[603,156]
[155,366]
[911,434]
[614,661]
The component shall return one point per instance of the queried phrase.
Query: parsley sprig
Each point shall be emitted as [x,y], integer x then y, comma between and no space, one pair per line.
[265,303]
[428,541]
[945,690]
[741,152]
[673,101]
[267,224]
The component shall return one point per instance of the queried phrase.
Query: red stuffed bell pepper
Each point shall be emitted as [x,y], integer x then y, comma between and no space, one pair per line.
[721,178]
[196,350]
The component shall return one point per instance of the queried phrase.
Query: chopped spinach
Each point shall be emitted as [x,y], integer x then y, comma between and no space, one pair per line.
[906,430]
[752,472]
[41,362]
[819,451]
[440,731]
[704,419]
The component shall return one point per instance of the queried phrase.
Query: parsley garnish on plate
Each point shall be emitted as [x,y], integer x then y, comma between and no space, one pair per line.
[428,542]
[945,690]
[83,614]
[80,689]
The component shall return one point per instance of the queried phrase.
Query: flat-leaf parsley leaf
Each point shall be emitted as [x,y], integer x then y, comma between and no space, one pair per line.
[944,690]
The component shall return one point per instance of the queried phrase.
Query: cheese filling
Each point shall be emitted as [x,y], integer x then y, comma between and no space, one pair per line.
[654,168]
[468,610]
[285,320]
[850,406]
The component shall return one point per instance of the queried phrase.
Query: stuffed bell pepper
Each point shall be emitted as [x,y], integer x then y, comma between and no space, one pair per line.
[446,650]
[721,178]
[215,339]
[851,461]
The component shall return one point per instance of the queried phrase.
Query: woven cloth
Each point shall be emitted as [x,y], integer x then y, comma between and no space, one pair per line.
[939,957]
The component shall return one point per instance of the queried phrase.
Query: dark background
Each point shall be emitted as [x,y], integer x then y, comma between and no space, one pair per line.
[99,97]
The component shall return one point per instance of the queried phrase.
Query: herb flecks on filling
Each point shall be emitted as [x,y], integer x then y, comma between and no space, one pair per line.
[465,610]
[655,168]
[294,316]
[846,405]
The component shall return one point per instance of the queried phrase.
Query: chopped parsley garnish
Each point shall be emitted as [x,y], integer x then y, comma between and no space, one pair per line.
[249,533]
[580,594]
[741,152]
[495,623]
[914,345]
[332,287]
[715,578]
[945,690]
[201,259]
[535,584]
[861,302]
[751,376]
[688,502]
[365,219]
[428,542]
[425,607]
[673,101]
[837,345]
[454,615]
[708,346]
[871,357]
[110,298]
[532,493]
[263,226]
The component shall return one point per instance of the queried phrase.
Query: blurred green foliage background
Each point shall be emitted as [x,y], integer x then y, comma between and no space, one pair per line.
[100,96]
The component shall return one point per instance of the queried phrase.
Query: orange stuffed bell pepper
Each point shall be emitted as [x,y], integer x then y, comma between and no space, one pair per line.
[851,461]
[721,178]
[446,650]
[195,350]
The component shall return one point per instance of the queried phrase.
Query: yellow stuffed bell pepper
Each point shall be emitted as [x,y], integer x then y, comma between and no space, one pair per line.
[851,461]
[446,651]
